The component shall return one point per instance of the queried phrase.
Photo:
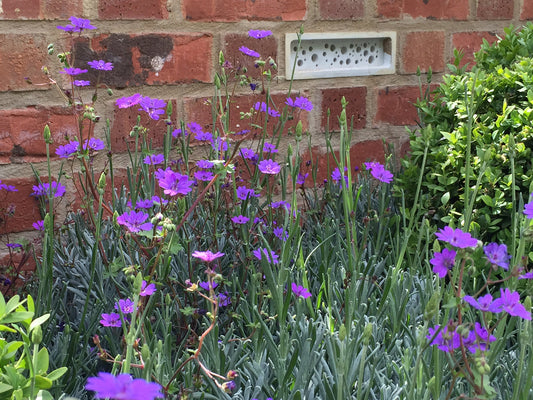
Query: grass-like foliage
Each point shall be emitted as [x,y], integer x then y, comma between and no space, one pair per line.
[218,268]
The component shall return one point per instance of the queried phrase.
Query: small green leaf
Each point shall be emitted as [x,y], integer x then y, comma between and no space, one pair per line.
[445,198]
[57,373]
[42,362]
[4,387]
[44,395]
[38,321]
[42,383]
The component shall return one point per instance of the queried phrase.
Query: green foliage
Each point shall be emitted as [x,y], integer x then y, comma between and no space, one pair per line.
[490,107]
[24,376]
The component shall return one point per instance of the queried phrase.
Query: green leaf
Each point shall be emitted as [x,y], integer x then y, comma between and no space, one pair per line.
[57,373]
[4,387]
[42,382]
[19,316]
[445,198]
[38,321]
[42,362]
[44,395]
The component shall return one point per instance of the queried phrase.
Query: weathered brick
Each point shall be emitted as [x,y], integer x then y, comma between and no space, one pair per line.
[125,119]
[469,43]
[371,150]
[62,9]
[431,9]
[234,10]
[152,59]
[267,47]
[26,206]
[395,105]
[495,9]
[21,132]
[16,9]
[356,107]
[526,12]
[424,50]
[342,9]
[132,9]
[21,59]
[199,110]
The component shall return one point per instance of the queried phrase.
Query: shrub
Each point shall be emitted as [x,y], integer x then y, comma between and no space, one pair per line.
[475,140]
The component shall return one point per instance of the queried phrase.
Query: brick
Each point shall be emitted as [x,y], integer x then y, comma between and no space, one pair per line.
[132,9]
[267,47]
[16,52]
[26,206]
[495,9]
[526,12]
[153,59]
[234,10]
[61,9]
[125,119]
[424,50]
[342,9]
[199,110]
[21,132]
[356,107]
[469,43]
[430,9]
[16,9]
[395,105]
[370,150]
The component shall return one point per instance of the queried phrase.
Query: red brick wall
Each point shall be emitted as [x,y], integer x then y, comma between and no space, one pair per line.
[188,35]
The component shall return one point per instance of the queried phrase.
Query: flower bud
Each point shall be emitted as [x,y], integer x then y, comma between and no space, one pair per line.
[47,135]
[37,335]
[342,332]
[101,183]
[367,334]
[221,58]
[299,131]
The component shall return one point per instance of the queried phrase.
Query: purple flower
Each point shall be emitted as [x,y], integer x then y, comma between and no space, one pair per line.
[510,303]
[122,387]
[336,175]
[442,262]
[14,245]
[281,233]
[154,107]
[260,253]
[177,133]
[483,303]
[281,203]
[479,338]
[243,193]
[528,275]
[261,106]
[300,291]
[445,340]
[8,188]
[73,71]
[147,289]
[456,237]
[243,132]
[68,149]
[370,165]
[497,255]
[81,83]
[300,102]
[247,153]
[240,219]
[249,52]
[38,225]
[129,101]
[140,203]
[528,210]
[207,256]
[203,136]
[173,183]
[259,33]
[76,25]
[94,144]
[154,159]
[127,306]
[219,144]
[204,176]
[112,319]
[43,189]
[159,200]
[224,300]
[207,286]
[135,221]
[100,65]
[269,167]
[269,148]
[253,87]
[300,179]
[206,164]
[381,174]
[194,127]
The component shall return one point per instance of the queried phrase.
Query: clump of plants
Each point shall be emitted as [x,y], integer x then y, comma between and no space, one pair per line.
[474,142]
[234,272]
